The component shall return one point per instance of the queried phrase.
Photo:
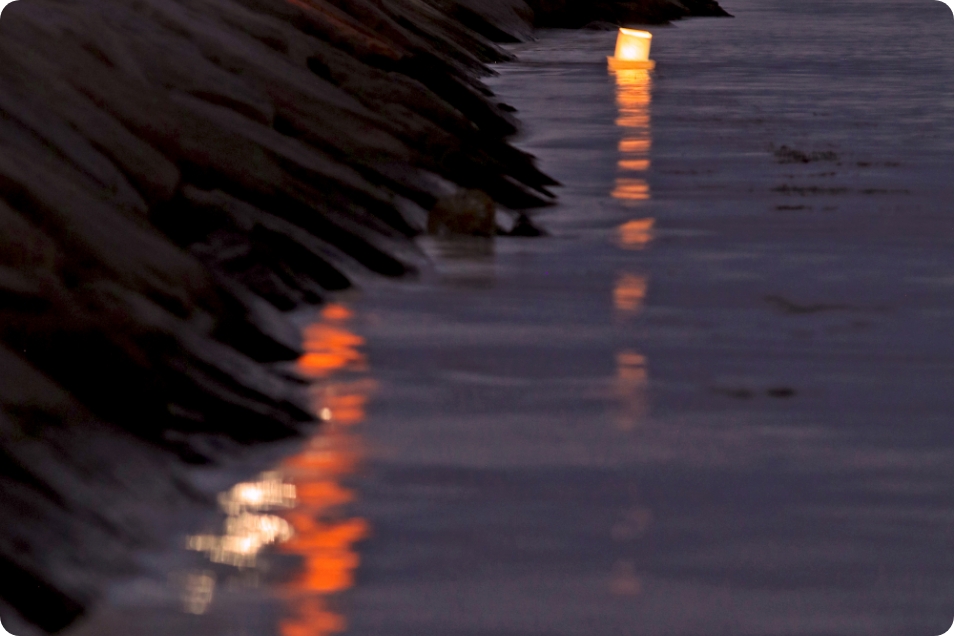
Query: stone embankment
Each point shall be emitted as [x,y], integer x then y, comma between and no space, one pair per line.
[174,176]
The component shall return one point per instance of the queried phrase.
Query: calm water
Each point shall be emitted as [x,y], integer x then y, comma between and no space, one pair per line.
[719,399]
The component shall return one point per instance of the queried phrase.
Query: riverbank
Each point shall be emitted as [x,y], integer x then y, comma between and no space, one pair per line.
[174,178]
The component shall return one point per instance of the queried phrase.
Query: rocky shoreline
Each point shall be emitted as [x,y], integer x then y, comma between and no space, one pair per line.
[175,176]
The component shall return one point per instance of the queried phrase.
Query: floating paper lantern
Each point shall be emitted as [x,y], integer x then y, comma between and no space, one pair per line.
[632,50]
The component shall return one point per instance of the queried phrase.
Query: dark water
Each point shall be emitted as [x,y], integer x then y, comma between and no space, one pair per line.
[719,399]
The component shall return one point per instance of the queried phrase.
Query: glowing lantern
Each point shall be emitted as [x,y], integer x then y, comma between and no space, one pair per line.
[632,50]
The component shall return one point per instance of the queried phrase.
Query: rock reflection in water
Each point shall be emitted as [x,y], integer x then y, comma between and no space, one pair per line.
[463,261]
[298,506]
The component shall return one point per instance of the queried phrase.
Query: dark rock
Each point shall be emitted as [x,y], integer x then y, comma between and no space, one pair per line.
[497,20]
[94,237]
[705,8]
[580,13]
[598,25]
[69,524]
[304,251]
[147,170]
[20,291]
[254,327]
[524,226]
[465,212]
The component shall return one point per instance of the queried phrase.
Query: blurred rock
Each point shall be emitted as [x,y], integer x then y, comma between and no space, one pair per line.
[574,14]
[466,212]
[524,226]
[497,20]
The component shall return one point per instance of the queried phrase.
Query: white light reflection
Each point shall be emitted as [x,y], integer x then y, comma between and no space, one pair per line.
[247,529]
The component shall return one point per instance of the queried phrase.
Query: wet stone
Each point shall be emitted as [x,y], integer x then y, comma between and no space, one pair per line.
[466,212]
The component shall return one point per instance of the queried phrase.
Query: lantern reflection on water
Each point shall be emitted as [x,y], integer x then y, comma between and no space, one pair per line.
[632,50]
[633,97]
[298,506]
[632,378]
[323,538]
[631,189]
[629,293]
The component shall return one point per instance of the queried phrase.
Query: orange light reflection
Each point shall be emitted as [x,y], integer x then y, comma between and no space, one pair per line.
[636,234]
[633,97]
[632,378]
[324,538]
[630,293]
[636,165]
[631,190]
[635,146]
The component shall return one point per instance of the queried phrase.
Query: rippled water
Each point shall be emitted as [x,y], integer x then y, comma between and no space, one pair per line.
[716,400]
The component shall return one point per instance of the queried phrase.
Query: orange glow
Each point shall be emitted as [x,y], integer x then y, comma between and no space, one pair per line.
[331,460]
[632,367]
[634,146]
[329,558]
[337,313]
[630,293]
[633,45]
[632,92]
[632,50]
[633,97]
[348,408]
[632,378]
[298,506]
[633,120]
[312,618]
[324,539]
[324,493]
[329,348]
[631,190]
[637,233]
[636,165]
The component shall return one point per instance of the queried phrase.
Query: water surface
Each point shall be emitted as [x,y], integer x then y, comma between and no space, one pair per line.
[716,400]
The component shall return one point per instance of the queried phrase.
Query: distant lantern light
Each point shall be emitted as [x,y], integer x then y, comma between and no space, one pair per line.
[632,50]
